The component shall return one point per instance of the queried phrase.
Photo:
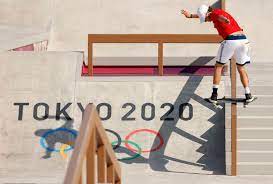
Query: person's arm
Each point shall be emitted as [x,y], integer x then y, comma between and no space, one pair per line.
[188,14]
[222,18]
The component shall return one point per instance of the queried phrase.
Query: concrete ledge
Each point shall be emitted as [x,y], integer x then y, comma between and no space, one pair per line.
[251,122]
[251,145]
[251,133]
[248,168]
[261,90]
[251,156]
[252,111]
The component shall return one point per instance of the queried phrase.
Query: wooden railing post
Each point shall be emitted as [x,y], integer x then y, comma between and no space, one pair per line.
[80,180]
[160,59]
[110,174]
[91,162]
[102,164]
[91,135]
[233,119]
[90,59]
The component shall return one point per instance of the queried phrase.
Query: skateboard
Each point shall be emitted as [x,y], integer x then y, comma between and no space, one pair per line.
[230,100]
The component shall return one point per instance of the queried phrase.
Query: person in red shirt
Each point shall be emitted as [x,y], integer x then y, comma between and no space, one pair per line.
[235,44]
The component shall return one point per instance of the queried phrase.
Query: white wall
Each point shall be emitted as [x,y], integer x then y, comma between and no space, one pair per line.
[156,16]
[74,21]
[26,13]
[256,17]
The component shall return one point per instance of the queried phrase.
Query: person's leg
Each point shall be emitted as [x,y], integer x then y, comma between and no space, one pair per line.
[218,68]
[245,82]
[242,58]
[217,73]
[243,76]
[225,52]
[216,81]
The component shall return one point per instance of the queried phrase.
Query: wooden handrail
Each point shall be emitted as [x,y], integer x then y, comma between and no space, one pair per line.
[233,110]
[91,141]
[233,118]
[160,39]
[154,38]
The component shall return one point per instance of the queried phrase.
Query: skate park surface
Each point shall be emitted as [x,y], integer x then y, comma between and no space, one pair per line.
[194,148]
[193,145]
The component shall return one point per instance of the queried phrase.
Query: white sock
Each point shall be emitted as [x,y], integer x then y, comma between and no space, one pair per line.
[247,90]
[215,86]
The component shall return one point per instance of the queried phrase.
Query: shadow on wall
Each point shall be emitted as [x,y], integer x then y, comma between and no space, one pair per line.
[62,135]
[213,148]
[212,144]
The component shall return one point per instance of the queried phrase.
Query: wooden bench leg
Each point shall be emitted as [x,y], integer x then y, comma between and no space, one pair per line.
[160,59]
[90,59]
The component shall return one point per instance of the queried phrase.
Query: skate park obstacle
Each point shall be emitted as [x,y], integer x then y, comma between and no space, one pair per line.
[91,143]
[158,39]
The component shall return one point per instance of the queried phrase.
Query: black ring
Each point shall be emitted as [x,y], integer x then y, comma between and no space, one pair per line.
[118,138]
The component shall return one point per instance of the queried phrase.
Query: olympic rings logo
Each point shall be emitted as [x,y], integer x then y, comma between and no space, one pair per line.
[64,148]
[130,145]
[137,149]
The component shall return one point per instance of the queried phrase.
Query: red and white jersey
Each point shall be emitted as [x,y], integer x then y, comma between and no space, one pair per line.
[224,29]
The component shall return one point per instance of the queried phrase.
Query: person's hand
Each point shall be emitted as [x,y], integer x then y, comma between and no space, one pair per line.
[186,13]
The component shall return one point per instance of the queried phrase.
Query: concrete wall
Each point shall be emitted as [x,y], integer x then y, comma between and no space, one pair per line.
[30,13]
[189,144]
[256,19]
[71,26]
[33,78]
[193,143]
[24,23]
[74,21]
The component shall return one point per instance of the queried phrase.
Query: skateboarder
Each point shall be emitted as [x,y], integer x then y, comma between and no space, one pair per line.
[235,44]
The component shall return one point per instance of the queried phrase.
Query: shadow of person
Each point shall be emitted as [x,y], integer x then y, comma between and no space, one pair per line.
[212,144]
[51,137]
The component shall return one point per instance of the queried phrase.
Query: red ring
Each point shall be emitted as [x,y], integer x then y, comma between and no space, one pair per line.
[144,130]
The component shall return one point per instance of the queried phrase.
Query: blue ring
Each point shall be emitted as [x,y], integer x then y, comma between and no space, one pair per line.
[73,132]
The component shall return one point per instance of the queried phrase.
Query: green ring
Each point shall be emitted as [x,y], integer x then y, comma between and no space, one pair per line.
[132,143]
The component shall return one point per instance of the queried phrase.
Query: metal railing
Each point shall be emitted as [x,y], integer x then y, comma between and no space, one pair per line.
[92,146]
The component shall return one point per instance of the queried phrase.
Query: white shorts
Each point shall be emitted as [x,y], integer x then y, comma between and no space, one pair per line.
[238,48]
